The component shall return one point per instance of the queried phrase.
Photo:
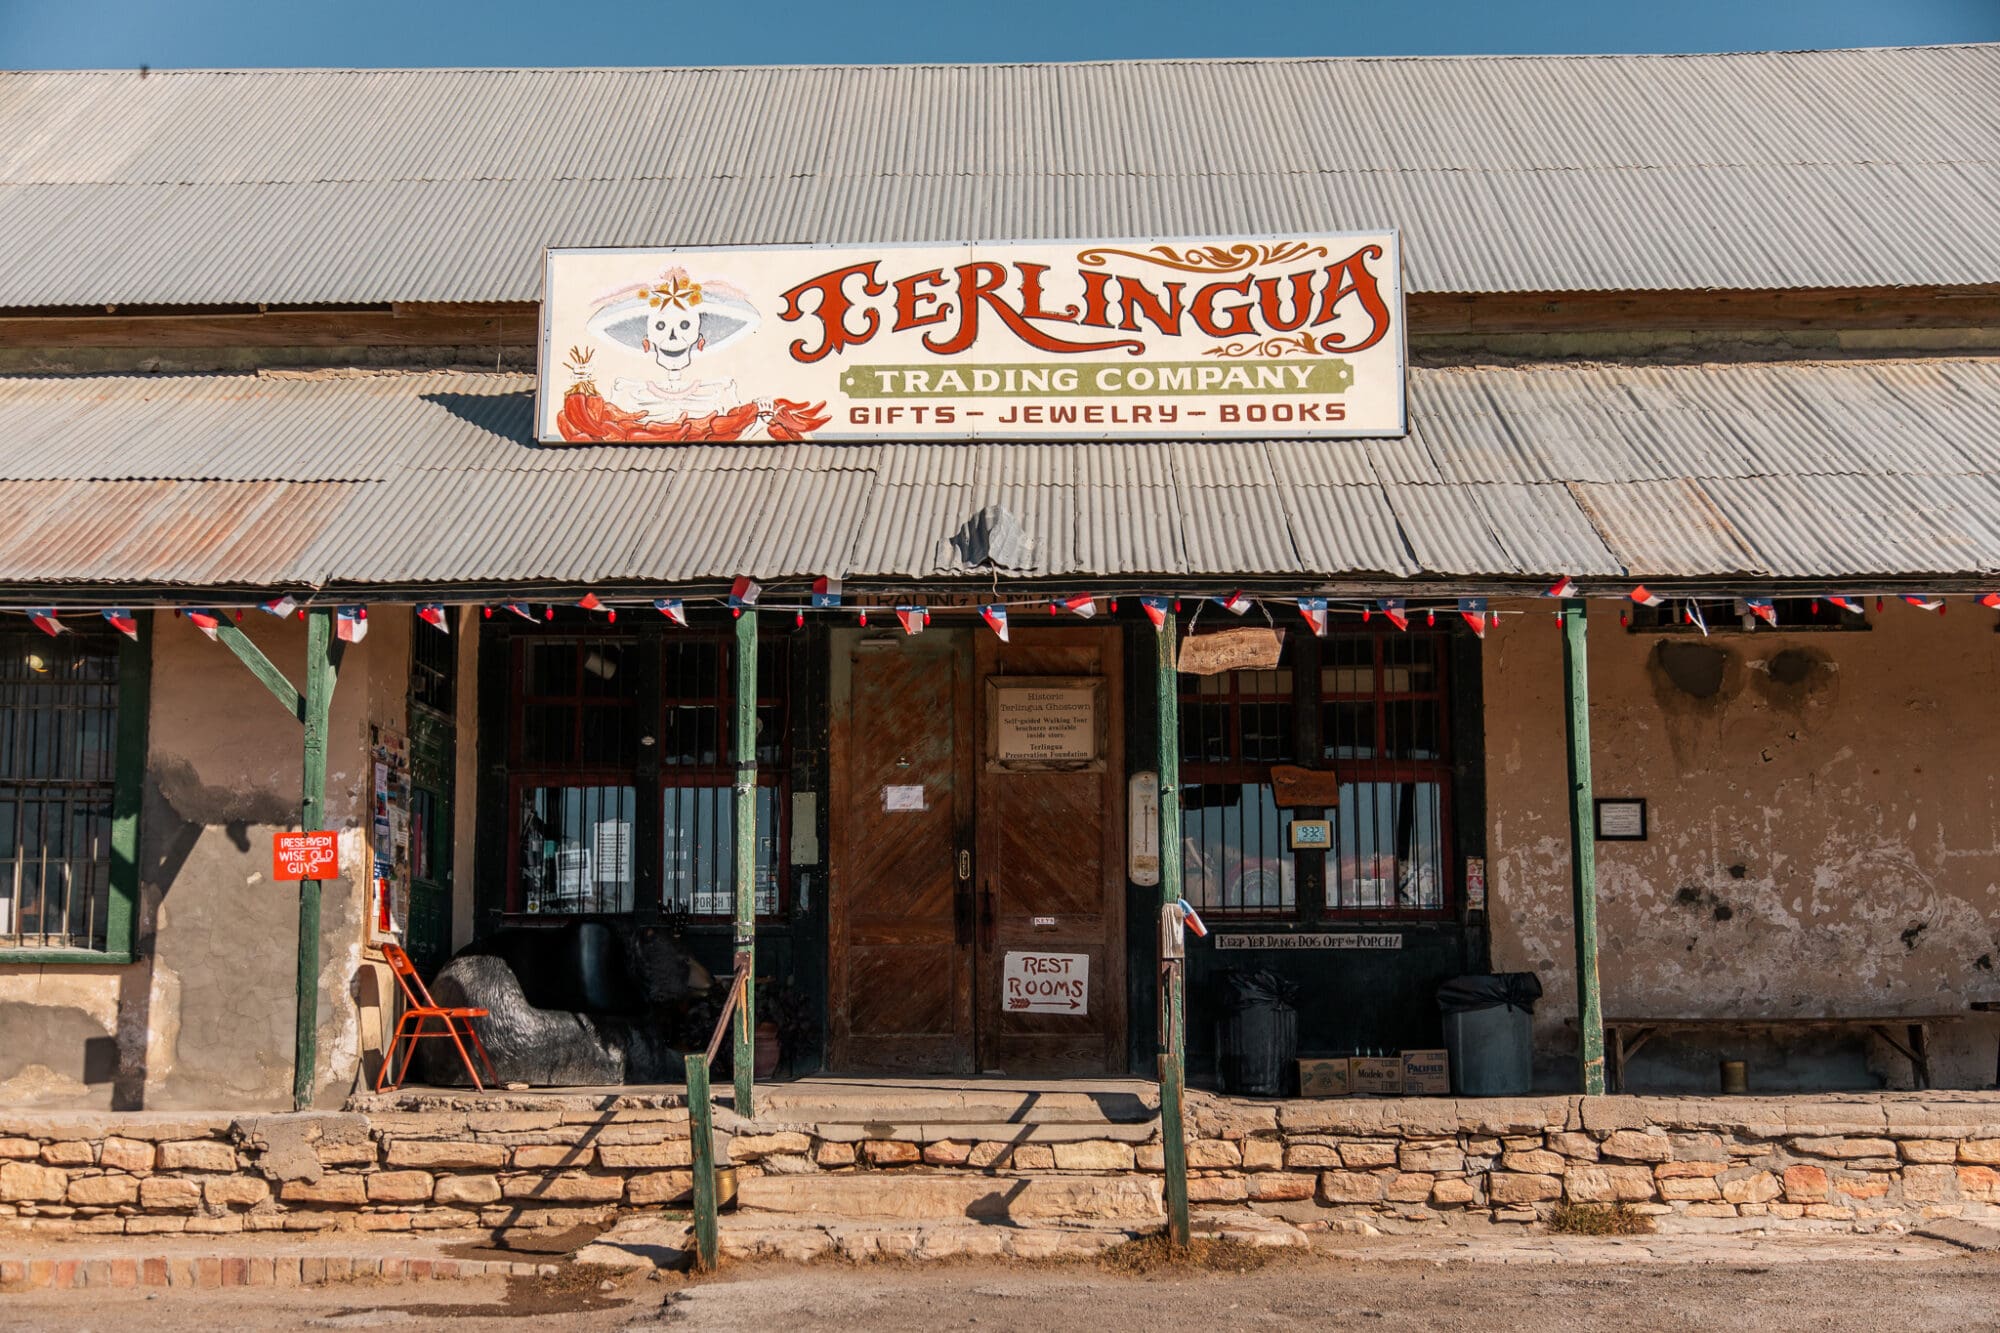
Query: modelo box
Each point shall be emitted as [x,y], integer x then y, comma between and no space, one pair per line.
[1426,1074]
[1381,1075]
[1323,1078]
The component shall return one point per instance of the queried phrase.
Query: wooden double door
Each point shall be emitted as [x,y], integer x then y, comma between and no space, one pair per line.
[945,859]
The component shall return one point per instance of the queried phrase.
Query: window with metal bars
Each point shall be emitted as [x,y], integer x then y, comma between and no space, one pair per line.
[698,814]
[58,777]
[1371,707]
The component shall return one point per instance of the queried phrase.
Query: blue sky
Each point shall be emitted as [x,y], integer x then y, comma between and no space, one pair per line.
[72,34]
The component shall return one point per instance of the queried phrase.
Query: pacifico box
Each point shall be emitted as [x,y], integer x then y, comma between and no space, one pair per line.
[1323,1078]
[1426,1074]
[1381,1075]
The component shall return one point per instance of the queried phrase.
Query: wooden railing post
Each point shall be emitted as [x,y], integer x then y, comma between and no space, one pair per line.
[1173,1000]
[320,677]
[744,741]
[701,1126]
[1582,850]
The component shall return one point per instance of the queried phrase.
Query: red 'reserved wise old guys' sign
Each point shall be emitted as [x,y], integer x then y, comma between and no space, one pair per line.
[1247,337]
[311,855]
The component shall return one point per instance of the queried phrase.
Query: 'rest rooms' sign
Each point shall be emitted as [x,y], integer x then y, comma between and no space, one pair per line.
[1069,340]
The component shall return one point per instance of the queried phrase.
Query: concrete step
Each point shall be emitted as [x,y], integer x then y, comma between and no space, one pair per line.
[919,1195]
[971,1102]
[971,1131]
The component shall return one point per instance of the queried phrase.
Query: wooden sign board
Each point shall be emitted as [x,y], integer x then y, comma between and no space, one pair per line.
[1045,723]
[1250,648]
[1045,983]
[297,856]
[1292,786]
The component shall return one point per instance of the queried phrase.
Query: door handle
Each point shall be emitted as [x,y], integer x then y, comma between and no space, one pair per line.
[962,906]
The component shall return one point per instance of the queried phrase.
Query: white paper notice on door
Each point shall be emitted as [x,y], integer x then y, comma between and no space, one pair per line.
[1045,983]
[910,797]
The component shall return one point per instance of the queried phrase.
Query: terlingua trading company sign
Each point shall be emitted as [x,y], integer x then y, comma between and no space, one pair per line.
[1250,337]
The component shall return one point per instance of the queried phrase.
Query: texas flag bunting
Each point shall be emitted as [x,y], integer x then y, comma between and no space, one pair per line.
[912,619]
[744,592]
[1082,604]
[1191,918]
[204,620]
[281,606]
[995,617]
[432,614]
[1847,602]
[122,620]
[1314,610]
[1645,598]
[1763,608]
[826,592]
[1393,608]
[1236,603]
[45,621]
[1156,611]
[1694,617]
[1474,611]
[518,608]
[673,608]
[1562,587]
[1991,601]
[350,623]
[1925,603]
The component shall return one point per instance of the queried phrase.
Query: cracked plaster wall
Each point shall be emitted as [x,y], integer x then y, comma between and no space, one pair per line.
[204,1020]
[1824,838]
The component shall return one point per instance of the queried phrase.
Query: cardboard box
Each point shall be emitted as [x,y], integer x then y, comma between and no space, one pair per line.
[1426,1074]
[1381,1075]
[1323,1078]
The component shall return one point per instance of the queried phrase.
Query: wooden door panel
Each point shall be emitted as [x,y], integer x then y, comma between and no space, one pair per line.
[900,957]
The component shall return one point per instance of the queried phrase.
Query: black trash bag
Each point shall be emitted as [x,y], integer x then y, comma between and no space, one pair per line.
[1516,990]
[1257,1046]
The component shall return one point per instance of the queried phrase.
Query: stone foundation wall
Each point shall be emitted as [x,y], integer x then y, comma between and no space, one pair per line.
[1862,1163]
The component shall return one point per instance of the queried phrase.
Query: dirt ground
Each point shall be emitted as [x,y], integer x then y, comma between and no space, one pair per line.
[1581,1288]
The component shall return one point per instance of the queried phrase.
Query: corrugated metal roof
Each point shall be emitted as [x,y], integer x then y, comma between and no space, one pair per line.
[1777,470]
[1505,173]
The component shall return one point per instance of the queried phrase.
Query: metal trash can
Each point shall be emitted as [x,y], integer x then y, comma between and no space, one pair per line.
[1489,1033]
[1257,1044]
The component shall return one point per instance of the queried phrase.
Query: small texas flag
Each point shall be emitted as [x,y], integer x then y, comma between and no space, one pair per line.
[123,621]
[1763,608]
[204,620]
[1474,611]
[589,602]
[673,608]
[1847,602]
[995,617]
[281,606]
[518,608]
[1562,587]
[432,614]
[45,621]
[1082,604]
[1694,617]
[1645,598]
[1925,603]
[1156,611]
[912,619]
[1991,601]
[1393,608]
[1236,603]
[826,592]
[744,592]
[1191,918]
[1314,610]
[350,623]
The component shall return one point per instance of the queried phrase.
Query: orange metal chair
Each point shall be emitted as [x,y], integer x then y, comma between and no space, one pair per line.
[420,1010]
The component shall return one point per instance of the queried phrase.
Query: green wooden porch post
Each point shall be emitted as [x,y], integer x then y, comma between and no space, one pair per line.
[1582,850]
[320,678]
[1173,1000]
[744,741]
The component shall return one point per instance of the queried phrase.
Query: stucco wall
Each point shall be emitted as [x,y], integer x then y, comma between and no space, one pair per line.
[1825,836]
[205,1019]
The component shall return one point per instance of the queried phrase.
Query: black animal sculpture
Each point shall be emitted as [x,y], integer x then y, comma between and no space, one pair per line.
[584,1003]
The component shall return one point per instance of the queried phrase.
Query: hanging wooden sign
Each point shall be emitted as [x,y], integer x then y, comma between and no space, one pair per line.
[1249,648]
[1292,786]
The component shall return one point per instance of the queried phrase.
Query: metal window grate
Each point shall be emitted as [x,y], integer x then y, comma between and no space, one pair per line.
[58,762]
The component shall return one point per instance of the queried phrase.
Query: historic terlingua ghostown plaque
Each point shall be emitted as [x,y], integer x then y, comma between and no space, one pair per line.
[1045,722]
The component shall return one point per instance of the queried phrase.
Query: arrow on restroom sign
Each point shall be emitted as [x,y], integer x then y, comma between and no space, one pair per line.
[1045,983]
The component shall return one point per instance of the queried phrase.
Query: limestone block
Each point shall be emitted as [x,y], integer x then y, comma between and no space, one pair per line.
[569,1187]
[842,1154]
[1975,1182]
[399,1186]
[1985,1151]
[749,1147]
[1411,1187]
[172,1193]
[1151,1157]
[1513,1188]
[1931,1151]
[1281,1186]
[340,1187]
[1033,1157]
[1789,1212]
[196,1155]
[467,1189]
[1361,1156]
[236,1191]
[1634,1146]
[1698,1147]
[357,1152]
[1688,1170]
[1263,1154]
[1214,1153]
[891,1152]
[1928,1183]
[437,1156]
[1453,1192]
[103,1191]
[1481,1146]
[1094,1155]
[1520,1142]
[1609,1184]
[576,1156]
[24,1182]
[660,1187]
[1681,1188]
[22,1149]
[1805,1184]
[942,1153]
[1218,1189]
[1830,1212]
[1322,1154]
[1870,1186]
[1760,1187]
[1844,1147]
[790,1164]
[1711,1210]
[69,1152]
[1533,1162]
[125,1155]
[1353,1186]
[1572,1144]
[1435,1160]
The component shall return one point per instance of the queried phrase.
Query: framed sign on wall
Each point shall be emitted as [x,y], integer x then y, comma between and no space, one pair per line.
[1045,724]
